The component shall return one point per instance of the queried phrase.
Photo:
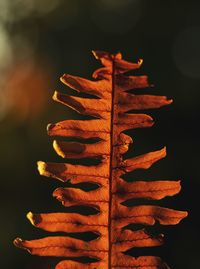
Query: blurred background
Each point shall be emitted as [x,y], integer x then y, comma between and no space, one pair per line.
[42,39]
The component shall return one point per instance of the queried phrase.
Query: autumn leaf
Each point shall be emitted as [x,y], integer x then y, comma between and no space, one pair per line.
[113,110]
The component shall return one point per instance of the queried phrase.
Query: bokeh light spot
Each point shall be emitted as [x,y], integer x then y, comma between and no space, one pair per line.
[5,48]
[24,91]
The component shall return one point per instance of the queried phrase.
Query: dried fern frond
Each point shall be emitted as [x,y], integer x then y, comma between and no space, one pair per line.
[110,218]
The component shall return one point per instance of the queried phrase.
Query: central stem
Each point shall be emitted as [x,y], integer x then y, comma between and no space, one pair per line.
[111,162]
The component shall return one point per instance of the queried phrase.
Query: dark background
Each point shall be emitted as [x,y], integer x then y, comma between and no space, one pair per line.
[41,40]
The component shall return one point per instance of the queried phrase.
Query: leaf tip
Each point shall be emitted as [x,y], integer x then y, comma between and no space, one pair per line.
[99,54]
[185,214]
[18,242]
[57,149]
[63,78]
[50,127]
[55,96]
[118,56]
[94,53]
[41,167]
[150,120]
[140,62]
[57,193]
[164,151]
[32,218]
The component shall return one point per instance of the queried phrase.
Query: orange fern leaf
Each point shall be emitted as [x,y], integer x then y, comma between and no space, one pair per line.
[109,217]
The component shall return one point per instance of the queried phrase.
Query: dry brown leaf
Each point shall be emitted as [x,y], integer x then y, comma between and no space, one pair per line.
[109,223]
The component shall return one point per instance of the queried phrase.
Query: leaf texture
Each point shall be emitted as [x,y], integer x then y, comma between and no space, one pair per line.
[114,110]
